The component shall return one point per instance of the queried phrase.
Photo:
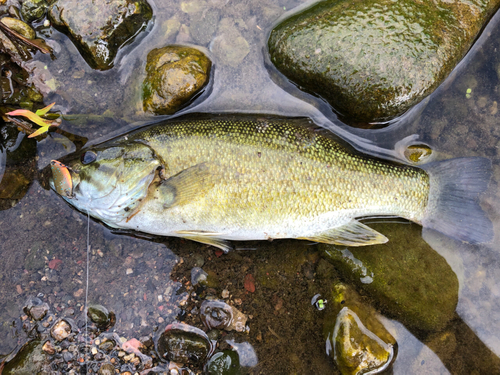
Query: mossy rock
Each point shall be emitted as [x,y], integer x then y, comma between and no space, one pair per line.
[374,59]
[405,277]
[174,75]
[98,28]
[29,360]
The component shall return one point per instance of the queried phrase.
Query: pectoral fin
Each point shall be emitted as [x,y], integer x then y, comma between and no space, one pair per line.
[209,238]
[353,233]
[186,186]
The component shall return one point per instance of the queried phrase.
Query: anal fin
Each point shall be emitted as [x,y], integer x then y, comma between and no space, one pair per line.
[353,233]
[208,238]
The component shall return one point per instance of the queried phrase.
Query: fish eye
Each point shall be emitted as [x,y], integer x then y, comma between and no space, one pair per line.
[88,157]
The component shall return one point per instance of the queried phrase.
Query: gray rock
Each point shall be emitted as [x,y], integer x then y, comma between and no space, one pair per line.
[98,28]
[374,59]
[36,309]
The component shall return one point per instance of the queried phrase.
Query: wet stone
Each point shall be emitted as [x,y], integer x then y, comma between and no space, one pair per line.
[417,153]
[220,315]
[106,369]
[19,26]
[374,59]
[183,343]
[60,330]
[355,349]
[29,360]
[36,309]
[174,75]
[224,363]
[32,10]
[48,348]
[99,315]
[98,28]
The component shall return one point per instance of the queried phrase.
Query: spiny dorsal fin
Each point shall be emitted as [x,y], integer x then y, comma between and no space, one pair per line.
[353,233]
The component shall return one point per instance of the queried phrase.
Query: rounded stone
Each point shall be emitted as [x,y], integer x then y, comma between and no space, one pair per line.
[374,59]
[183,343]
[224,363]
[174,75]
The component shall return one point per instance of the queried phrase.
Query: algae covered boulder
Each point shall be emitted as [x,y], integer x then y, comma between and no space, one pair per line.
[98,28]
[406,278]
[174,75]
[374,59]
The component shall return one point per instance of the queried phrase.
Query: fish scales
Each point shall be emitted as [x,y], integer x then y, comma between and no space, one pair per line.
[268,174]
[248,177]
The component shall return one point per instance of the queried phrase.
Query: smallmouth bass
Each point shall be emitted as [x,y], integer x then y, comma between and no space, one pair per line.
[246,177]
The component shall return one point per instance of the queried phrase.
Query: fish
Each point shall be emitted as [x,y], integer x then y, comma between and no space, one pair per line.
[221,178]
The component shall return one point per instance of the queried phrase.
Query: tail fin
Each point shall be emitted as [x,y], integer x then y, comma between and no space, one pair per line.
[453,207]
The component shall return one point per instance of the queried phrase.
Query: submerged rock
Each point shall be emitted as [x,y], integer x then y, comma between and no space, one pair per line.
[98,28]
[355,338]
[60,330]
[374,59]
[174,75]
[405,276]
[226,362]
[219,315]
[183,343]
[29,360]
[32,10]
[99,315]
[36,309]
[355,349]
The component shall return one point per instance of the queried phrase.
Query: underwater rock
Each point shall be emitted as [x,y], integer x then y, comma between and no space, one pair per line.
[19,26]
[374,59]
[183,343]
[99,315]
[29,360]
[98,28]
[417,153]
[355,349]
[36,309]
[405,277]
[32,10]
[174,75]
[219,315]
[226,362]
[355,337]
[60,330]
[230,45]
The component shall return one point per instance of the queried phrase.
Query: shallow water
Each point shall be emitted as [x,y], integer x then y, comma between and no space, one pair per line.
[133,277]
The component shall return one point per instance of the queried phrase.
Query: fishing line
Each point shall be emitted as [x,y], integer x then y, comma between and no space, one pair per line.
[87,294]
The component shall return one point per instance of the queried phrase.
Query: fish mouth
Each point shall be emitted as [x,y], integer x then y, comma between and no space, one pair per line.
[61,181]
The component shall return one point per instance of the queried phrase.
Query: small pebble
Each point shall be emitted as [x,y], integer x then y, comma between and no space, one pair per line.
[93,350]
[60,330]
[129,271]
[225,293]
[48,348]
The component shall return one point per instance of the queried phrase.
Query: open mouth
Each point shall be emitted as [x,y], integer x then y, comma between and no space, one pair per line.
[61,178]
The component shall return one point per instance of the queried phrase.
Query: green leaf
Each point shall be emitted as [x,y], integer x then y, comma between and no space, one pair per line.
[43,111]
